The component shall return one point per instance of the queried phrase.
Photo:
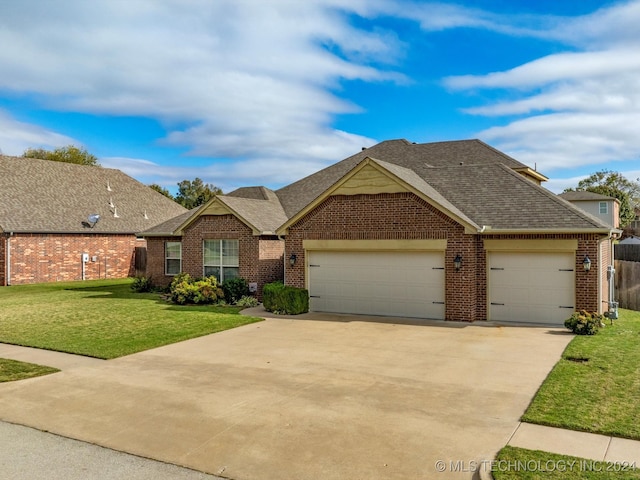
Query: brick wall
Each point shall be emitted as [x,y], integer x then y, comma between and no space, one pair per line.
[260,258]
[37,258]
[405,216]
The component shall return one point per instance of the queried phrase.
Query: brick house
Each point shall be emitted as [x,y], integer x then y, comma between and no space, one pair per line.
[63,222]
[448,230]
[230,236]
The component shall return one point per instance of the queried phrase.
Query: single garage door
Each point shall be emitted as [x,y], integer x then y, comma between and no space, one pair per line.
[403,284]
[531,287]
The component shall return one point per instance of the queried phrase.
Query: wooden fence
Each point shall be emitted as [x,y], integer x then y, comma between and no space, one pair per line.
[628,252]
[628,284]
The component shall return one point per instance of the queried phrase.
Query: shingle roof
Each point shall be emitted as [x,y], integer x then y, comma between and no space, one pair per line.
[258,206]
[580,196]
[43,196]
[413,156]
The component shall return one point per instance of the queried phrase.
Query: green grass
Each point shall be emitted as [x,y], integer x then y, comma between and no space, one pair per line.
[520,464]
[595,387]
[103,318]
[11,370]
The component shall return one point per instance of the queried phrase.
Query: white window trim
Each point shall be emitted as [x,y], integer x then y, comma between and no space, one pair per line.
[166,257]
[221,265]
[606,208]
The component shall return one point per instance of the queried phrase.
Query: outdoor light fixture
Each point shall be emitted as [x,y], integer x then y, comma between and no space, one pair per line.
[586,263]
[457,262]
[293,259]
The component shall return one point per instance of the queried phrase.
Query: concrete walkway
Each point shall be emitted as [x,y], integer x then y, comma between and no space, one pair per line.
[578,444]
[59,360]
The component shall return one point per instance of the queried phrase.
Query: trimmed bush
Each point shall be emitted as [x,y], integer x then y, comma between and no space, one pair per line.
[584,323]
[184,290]
[234,289]
[281,299]
[142,285]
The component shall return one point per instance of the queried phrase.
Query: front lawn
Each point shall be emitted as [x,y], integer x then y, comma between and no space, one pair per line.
[11,370]
[595,387]
[103,318]
[521,464]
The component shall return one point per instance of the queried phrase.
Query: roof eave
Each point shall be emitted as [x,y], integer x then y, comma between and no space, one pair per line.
[510,231]
[533,173]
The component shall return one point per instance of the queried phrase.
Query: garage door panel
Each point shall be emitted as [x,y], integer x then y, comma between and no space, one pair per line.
[531,287]
[378,283]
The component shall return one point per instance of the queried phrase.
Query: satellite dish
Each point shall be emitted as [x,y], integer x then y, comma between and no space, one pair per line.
[93,219]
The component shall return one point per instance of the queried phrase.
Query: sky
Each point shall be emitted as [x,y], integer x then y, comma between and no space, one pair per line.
[257,92]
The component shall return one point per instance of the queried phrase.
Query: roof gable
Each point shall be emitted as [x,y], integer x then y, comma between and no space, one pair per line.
[372,176]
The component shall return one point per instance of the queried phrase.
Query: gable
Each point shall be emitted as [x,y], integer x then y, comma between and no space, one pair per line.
[369,180]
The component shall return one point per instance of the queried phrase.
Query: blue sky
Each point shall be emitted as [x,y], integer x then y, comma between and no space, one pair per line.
[250,92]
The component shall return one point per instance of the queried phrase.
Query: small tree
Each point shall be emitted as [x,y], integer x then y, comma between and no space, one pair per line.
[162,190]
[194,193]
[68,154]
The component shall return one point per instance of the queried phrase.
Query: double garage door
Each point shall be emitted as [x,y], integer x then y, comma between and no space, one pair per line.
[522,287]
[403,284]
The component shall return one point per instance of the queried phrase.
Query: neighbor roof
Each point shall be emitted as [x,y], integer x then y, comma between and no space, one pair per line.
[43,196]
[584,196]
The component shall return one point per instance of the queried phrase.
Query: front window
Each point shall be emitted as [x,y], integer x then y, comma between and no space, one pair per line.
[172,258]
[221,259]
[603,208]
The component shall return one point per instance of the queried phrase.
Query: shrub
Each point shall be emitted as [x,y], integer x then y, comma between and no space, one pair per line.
[185,290]
[234,289]
[282,299]
[584,323]
[142,285]
[247,302]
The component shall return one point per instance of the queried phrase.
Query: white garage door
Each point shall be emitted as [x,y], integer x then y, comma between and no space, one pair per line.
[531,287]
[403,284]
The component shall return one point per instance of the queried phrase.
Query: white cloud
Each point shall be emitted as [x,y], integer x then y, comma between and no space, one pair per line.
[16,137]
[227,78]
[577,108]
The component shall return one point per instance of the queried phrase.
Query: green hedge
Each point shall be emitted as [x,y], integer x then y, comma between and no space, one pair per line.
[285,300]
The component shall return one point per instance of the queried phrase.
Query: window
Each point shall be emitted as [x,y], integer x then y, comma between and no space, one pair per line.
[604,208]
[172,258]
[221,259]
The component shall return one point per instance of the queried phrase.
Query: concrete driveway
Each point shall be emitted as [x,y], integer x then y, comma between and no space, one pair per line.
[318,397]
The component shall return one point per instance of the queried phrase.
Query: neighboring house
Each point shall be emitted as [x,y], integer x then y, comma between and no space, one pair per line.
[449,230]
[60,221]
[632,240]
[603,207]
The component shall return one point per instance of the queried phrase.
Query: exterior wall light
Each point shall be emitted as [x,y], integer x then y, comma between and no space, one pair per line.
[457,262]
[586,263]
[292,259]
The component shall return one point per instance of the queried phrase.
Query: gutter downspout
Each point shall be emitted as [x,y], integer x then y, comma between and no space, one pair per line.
[612,311]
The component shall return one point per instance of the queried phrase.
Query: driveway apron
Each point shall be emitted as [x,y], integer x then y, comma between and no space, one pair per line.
[319,397]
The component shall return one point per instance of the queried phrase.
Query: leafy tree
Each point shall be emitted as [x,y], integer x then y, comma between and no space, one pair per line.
[616,185]
[194,193]
[162,190]
[68,154]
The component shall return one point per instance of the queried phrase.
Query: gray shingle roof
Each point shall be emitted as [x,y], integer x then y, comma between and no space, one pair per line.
[43,196]
[413,156]
[468,176]
[584,196]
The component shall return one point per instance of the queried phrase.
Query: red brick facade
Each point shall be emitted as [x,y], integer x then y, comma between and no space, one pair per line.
[37,258]
[260,258]
[407,217]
